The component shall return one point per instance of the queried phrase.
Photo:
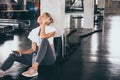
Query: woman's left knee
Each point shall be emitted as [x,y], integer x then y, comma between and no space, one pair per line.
[44,40]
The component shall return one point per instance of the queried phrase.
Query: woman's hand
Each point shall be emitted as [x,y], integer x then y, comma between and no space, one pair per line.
[17,53]
[46,21]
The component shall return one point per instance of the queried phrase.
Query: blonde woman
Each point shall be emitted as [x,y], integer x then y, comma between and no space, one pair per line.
[42,42]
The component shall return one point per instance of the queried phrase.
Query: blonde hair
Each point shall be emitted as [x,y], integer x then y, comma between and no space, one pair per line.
[49,16]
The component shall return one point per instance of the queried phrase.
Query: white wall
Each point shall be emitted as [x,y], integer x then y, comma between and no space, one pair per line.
[57,9]
[88,14]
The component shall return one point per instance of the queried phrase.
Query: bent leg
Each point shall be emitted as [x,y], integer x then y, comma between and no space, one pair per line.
[45,54]
[25,59]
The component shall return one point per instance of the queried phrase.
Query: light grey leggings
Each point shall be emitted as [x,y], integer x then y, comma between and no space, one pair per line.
[45,56]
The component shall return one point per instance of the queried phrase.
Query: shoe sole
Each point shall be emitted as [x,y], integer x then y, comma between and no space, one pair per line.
[30,75]
[1,76]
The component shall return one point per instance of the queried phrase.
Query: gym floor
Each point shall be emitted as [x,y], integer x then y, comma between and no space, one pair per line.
[97,57]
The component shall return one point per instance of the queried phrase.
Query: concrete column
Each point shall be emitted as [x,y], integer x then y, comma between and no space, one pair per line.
[24,4]
[108,3]
[57,9]
[88,14]
[101,3]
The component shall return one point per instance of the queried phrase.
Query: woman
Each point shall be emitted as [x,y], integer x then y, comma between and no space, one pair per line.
[42,42]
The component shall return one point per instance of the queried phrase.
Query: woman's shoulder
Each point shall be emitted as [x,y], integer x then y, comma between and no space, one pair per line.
[36,29]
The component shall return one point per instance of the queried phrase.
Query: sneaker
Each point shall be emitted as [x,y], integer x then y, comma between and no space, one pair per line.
[30,73]
[2,73]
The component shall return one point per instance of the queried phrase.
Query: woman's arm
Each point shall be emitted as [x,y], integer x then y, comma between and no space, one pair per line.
[43,33]
[29,51]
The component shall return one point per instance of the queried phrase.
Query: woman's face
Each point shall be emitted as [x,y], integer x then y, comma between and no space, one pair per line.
[42,18]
